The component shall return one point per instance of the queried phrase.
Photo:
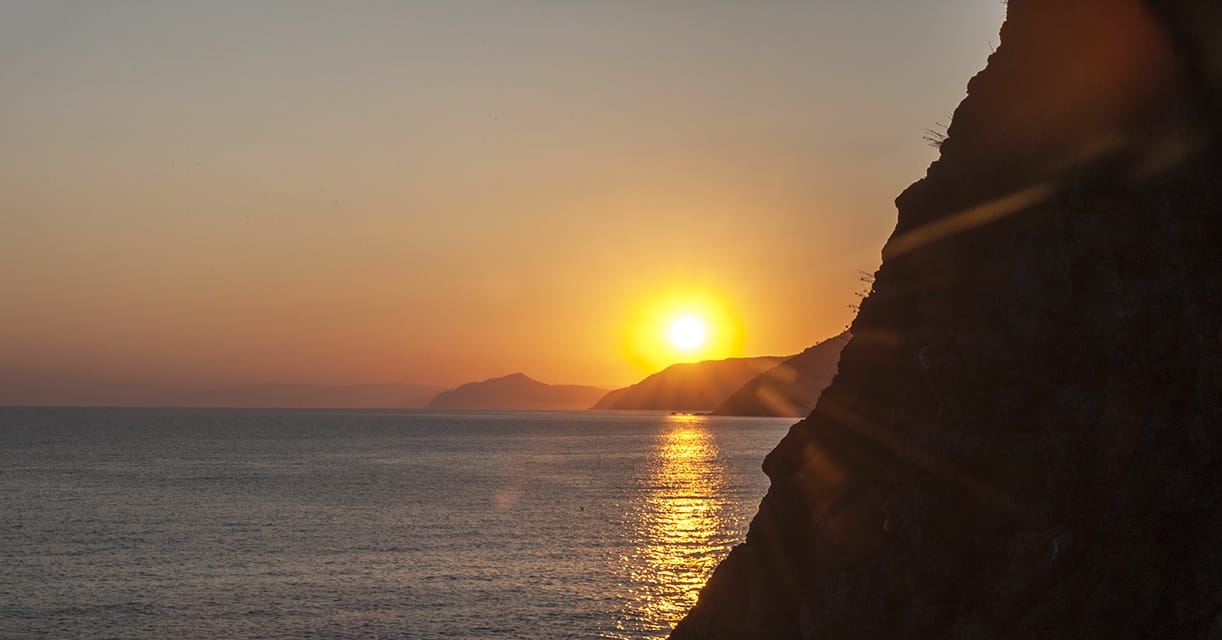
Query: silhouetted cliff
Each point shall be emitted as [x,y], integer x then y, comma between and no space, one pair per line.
[516,392]
[1024,439]
[689,386]
[789,389]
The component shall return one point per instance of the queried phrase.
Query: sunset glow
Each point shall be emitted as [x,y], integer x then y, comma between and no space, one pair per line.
[687,333]
[682,323]
[213,195]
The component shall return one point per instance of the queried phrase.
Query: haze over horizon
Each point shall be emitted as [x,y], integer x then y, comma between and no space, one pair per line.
[208,195]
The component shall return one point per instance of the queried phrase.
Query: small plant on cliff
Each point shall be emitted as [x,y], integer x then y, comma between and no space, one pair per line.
[935,137]
[864,290]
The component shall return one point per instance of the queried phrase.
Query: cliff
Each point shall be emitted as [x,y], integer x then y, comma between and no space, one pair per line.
[688,386]
[1024,438]
[789,389]
[516,392]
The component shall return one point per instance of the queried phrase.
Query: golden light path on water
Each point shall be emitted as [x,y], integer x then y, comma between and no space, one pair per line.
[683,527]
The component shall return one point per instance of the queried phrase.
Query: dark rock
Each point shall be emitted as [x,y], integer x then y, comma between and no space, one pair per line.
[1024,439]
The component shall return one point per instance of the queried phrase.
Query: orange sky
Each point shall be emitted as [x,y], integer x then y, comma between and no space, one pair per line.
[210,194]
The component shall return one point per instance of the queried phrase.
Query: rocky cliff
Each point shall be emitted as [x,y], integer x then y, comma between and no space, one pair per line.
[1024,438]
[688,386]
[789,389]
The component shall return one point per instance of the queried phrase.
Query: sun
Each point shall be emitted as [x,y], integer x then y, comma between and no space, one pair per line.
[687,332]
[675,324]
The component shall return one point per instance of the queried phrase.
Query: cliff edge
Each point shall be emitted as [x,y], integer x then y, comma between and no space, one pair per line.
[1024,438]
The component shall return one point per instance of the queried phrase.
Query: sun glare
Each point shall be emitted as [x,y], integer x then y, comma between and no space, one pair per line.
[680,324]
[687,333]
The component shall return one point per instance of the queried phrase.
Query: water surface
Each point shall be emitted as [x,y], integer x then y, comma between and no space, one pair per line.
[288,524]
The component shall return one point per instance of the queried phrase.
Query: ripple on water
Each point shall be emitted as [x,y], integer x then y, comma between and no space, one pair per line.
[284,524]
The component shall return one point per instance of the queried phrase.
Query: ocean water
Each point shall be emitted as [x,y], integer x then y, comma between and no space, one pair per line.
[158,523]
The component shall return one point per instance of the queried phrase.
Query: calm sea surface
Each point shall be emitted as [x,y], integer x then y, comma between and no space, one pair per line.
[143,523]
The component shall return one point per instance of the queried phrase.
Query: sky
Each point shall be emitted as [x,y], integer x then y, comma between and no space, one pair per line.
[205,194]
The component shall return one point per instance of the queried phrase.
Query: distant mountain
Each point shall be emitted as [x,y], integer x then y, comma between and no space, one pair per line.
[689,386]
[517,391]
[318,396]
[791,388]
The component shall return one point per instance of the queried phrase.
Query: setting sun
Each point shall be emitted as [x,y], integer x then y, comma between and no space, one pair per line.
[681,323]
[687,333]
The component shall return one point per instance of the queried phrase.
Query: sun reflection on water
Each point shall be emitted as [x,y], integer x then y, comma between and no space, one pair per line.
[681,530]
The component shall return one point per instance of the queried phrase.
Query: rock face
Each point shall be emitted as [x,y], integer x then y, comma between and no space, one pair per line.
[1024,439]
[516,392]
[789,389]
[689,386]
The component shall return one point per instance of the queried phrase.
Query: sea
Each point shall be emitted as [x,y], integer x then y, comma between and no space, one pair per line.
[206,523]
